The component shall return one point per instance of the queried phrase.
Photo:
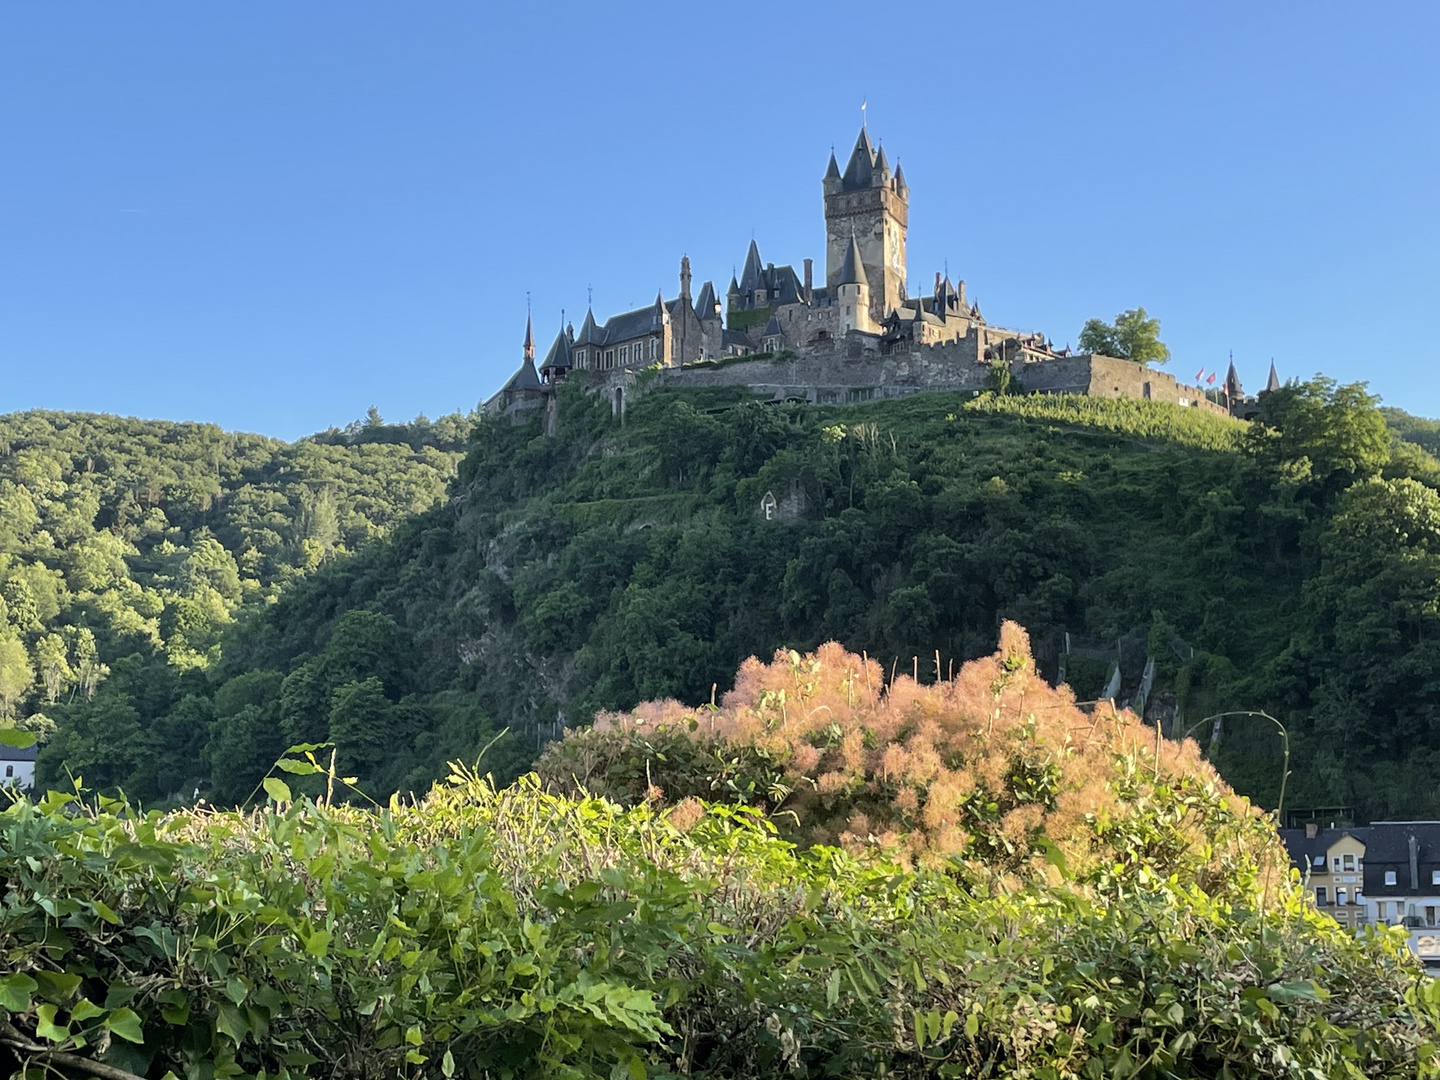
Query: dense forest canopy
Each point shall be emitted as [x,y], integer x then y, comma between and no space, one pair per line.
[127,547]
[1287,564]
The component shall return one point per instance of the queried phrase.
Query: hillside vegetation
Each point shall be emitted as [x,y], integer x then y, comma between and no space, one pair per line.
[128,547]
[1288,565]
[1117,912]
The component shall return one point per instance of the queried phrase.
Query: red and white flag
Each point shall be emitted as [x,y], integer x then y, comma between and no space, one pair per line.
[1199,374]
[1211,379]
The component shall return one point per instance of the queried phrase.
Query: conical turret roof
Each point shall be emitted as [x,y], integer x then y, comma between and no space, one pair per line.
[529,339]
[706,304]
[589,330]
[832,172]
[852,270]
[1232,381]
[860,170]
[881,165]
[750,276]
[900,184]
[558,358]
[1273,382]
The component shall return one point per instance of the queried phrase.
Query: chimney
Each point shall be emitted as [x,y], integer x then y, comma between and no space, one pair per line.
[809,280]
[1311,828]
[1414,863]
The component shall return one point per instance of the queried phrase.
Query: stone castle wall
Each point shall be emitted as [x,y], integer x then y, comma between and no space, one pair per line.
[853,368]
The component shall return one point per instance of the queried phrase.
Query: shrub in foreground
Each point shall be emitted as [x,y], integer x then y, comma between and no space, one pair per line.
[990,771]
[521,934]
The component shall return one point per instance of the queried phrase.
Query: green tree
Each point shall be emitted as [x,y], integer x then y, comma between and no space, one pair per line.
[55,673]
[362,722]
[1332,434]
[16,675]
[1134,335]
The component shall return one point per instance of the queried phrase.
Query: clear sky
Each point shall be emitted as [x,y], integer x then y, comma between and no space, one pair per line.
[274,215]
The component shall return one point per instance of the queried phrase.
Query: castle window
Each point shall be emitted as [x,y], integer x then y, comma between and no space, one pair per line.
[609,358]
[624,355]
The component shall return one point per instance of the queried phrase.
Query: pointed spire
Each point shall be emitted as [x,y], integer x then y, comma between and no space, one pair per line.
[529,339]
[589,330]
[1232,381]
[881,165]
[750,277]
[657,313]
[900,184]
[1273,382]
[852,271]
[833,171]
[861,168]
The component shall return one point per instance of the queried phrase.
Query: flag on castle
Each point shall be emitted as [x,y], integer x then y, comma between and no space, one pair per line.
[1199,374]
[1211,379]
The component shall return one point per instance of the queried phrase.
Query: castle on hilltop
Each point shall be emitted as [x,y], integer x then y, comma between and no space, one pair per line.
[858,337]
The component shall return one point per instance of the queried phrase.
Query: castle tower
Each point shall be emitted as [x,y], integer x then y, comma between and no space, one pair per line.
[874,205]
[852,292]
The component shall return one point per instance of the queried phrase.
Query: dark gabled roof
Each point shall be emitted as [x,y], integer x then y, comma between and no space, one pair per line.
[832,172]
[750,276]
[1273,382]
[772,328]
[558,358]
[632,324]
[706,304]
[852,270]
[735,337]
[15,753]
[524,379]
[860,171]
[589,330]
[1304,850]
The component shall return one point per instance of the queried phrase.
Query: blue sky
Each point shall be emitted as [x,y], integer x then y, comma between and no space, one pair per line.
[274,215]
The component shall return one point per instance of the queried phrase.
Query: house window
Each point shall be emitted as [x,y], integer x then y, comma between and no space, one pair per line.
[1319,897]
[1359,898]
[1340,898]
[1319,862]
[1380,907]
[1349,863]
[1389,877]
[1435,877]
[9,771]
[1429,915]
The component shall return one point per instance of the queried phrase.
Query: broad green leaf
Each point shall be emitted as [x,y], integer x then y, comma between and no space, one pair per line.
[447,1065]
[277,789]
[15,991]
[57,986]
[296,768]
[45,1026]
[124,1023]
[306,747]
[85,1009]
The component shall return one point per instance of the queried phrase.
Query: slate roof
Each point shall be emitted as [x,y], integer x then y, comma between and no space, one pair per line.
[14,753]
[900,177]
[1387,847]
[754,268]
[852,270]
[524,379]
[772,328]
[1273,382]
[782,284]
[736,337]
[860,171]
[705,305]
[558,358]
[1232,382]
[832,171]
[624,327]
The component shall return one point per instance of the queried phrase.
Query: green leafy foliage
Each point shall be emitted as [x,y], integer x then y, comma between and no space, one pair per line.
[1132,336]
[512,933]
[134,545]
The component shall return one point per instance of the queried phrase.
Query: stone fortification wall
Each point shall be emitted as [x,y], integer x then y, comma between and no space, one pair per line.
[854,369]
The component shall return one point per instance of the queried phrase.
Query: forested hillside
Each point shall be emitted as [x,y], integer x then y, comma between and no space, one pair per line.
[1291,565]
[127,547]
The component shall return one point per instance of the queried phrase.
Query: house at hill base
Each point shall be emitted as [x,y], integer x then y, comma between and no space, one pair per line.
[858,334]
[17,767]
[1387,872]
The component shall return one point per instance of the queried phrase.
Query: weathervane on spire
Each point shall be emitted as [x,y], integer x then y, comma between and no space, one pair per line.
[862,114]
